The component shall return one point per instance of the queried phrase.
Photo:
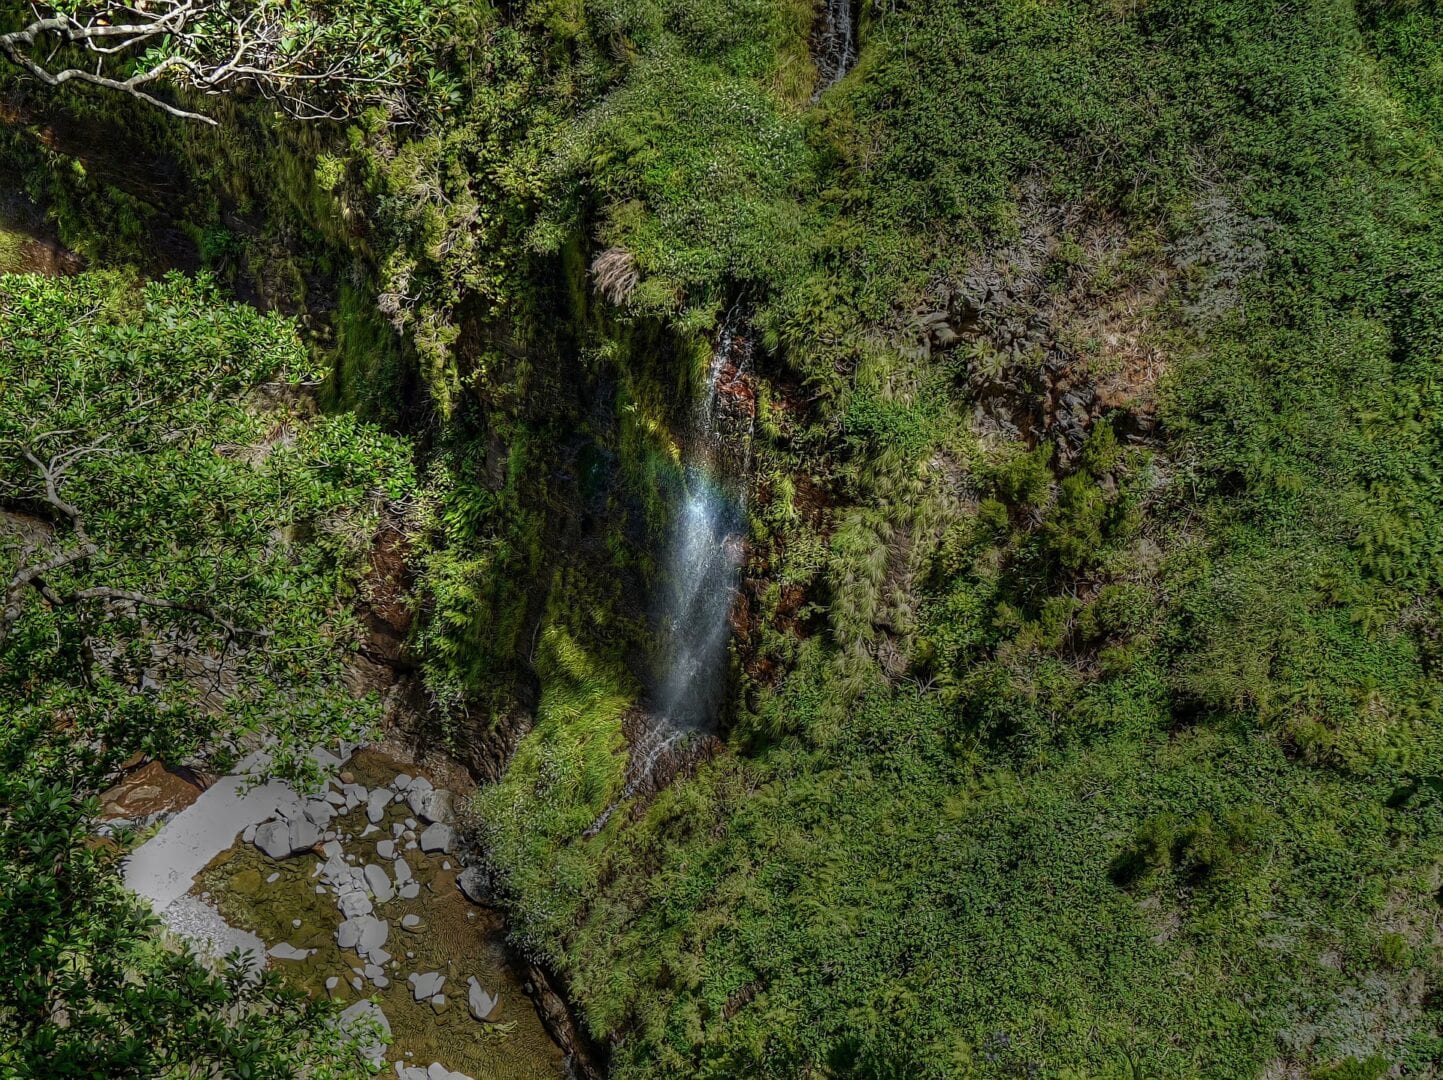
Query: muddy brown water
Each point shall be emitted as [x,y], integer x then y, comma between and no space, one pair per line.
[455,937]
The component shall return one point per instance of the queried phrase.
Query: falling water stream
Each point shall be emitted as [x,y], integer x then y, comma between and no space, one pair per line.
[835,44]
[699,575]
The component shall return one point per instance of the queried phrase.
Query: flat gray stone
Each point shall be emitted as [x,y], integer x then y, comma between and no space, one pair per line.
[376,803]
[437,837]
[374,934]
[403,871]
[285,951]
[426,985]
[355,903]
[402,782]
[319,812]
[410,890]
[348,934]
[410,922]
[479,1000]
[379,882]
[386,849]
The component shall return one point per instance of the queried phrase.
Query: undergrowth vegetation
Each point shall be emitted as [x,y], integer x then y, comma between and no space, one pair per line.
[1088,666]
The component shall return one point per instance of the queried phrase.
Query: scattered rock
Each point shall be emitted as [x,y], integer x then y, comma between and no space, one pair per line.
[379,882]
[332,983]
[274,838]
[335,798]
[402,782]
[418,793]
[410,922]
[285,951]
[437,806]
[249,835]
[367,831]
[374,935]
[354,904]
[304,835]
[355,982]
[271,879]
[410,824]
[438,1003]
[332,849]
[386,849]
[410,890]
[348,934]
[437,837]
[376,804]
[481,1003]
[403,871]
[475,883]
[295,924]
[426,985]
[374,972]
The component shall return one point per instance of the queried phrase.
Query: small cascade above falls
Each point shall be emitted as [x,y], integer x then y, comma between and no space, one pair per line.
[834,43]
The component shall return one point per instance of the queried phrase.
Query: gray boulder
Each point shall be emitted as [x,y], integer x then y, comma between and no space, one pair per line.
[437,837]
[403,871]
[386,849]
[304,835]
[436,806]
[379,882]
[426,985]
[274,838]
[417,794]
[354,903]
[376,803]
[374,935]
[475,883]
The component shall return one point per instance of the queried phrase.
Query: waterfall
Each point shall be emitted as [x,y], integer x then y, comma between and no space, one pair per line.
[699,574]
[835,44]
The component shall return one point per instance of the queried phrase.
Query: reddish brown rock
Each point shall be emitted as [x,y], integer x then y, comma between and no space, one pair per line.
[150,789]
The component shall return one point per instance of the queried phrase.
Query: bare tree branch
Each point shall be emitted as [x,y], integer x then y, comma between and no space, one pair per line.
[209,46]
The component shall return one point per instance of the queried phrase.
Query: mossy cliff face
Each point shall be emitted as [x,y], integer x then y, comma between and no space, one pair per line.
[1088,646]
